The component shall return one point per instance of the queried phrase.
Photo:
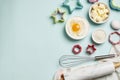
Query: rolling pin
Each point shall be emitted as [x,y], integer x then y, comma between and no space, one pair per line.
[92,71]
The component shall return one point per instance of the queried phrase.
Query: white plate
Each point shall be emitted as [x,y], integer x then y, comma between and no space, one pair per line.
[84,31]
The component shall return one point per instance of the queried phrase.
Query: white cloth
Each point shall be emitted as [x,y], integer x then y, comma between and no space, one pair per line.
[116,75]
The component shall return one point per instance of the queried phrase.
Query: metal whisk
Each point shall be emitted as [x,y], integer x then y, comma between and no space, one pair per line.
[73,60]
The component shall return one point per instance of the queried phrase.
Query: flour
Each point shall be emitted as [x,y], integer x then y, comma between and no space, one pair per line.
[99,36]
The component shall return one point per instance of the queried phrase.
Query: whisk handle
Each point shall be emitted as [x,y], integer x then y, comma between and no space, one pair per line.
[104,56]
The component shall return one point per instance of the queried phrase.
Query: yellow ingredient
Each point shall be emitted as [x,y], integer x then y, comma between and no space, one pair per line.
[76,27]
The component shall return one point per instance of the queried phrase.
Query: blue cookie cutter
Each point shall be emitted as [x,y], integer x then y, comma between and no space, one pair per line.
[58,16]
[113,5]
[70,7]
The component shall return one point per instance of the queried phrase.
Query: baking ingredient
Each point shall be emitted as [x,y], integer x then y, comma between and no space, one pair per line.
[77,27]
[115,24]
[99,36]
[99,12]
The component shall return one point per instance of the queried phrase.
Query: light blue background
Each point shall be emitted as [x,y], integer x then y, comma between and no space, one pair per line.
[30,45]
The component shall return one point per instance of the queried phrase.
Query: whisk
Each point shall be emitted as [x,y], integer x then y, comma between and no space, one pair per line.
[73,60]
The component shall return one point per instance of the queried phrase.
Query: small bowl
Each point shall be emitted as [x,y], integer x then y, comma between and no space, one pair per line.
[99,19]
[85,28]
[97,36]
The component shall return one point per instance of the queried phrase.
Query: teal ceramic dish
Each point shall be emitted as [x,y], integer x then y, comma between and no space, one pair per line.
[115,4]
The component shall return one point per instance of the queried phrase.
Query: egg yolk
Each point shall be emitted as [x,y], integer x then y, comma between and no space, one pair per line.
[75,27]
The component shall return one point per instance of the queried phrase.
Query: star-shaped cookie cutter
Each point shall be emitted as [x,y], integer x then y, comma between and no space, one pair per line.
[58,16]
[91,49]
[70,7]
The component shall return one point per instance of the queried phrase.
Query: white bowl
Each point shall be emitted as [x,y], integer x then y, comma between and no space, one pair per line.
[85,28]
[101,21]
[99,36]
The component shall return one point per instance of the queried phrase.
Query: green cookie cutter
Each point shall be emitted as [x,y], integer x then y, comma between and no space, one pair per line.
[114,4]
[58,16]
[76,5]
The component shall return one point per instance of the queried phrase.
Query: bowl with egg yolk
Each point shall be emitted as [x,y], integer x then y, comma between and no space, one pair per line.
[77,27]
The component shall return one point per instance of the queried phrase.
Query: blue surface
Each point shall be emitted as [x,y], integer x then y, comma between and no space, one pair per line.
[30,45]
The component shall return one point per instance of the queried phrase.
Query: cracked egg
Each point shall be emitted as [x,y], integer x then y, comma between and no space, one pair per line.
[77,27]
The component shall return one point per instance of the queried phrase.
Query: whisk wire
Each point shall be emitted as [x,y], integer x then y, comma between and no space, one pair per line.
[70,60]
[73,60]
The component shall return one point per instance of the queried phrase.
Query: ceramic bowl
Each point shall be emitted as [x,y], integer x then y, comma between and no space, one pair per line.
[102,15]
[84,25]
[99,36]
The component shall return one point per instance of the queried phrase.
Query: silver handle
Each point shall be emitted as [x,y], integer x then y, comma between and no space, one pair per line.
[104,56]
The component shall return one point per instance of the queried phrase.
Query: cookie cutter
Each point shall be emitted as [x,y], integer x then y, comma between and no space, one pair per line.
[67,4]
[113,5]
[92,1]
[113,42]
[76,49]
[58,16]
[90,49]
